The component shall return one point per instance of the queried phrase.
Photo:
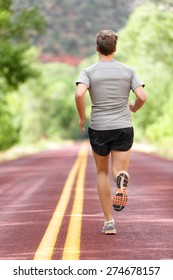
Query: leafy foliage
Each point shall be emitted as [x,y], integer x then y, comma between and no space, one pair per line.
[48,107]
[16,29]
[147,44]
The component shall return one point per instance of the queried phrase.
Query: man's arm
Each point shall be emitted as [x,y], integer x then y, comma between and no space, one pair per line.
[80,104]
[140,99]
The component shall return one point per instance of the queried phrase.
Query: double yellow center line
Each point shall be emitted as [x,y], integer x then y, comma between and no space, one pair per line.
[72,244]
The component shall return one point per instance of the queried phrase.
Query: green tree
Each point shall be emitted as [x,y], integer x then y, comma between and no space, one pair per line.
[17,29]
[147,44]
[48,104]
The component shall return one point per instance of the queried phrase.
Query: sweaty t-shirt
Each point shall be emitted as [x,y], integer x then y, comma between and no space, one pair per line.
[109,85]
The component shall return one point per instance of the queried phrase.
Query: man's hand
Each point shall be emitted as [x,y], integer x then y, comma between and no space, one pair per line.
[81,124]
[131,105]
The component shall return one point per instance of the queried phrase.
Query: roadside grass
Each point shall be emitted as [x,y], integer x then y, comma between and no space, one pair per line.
[24,149]
[160,150]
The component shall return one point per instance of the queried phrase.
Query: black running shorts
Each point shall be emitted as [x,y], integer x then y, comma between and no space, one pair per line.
[103,141]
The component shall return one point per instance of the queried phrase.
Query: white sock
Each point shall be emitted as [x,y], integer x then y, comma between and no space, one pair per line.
[111,221]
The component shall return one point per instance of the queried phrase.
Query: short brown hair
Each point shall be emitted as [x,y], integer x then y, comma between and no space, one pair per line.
[106,41]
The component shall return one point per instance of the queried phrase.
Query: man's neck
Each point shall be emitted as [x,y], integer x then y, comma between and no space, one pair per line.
[106,57]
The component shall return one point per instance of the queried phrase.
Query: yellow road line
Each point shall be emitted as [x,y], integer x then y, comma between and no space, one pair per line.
[72,244]
[47,244]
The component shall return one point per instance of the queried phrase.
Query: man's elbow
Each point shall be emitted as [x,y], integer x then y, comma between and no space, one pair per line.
[141,95]
[80,91]
[143,98]
[78,95]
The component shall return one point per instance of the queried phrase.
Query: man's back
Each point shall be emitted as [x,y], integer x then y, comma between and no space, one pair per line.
[109,84]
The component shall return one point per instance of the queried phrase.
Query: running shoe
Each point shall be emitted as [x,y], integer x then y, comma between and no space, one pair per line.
[120,199]
[109,228]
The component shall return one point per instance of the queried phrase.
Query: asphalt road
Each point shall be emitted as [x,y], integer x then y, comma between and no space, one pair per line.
[49,208]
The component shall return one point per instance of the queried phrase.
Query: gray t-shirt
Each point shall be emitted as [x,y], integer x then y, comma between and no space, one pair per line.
[109,85]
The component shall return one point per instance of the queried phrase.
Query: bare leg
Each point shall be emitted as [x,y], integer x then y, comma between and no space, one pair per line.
[120,162]
[103,184]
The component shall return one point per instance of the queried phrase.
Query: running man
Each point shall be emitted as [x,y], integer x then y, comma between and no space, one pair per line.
[109,83]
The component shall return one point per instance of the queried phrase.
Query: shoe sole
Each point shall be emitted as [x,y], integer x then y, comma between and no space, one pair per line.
[122,181]
[113,231]
[120,199]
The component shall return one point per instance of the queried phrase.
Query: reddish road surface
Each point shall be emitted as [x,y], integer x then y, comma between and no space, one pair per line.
[49,209]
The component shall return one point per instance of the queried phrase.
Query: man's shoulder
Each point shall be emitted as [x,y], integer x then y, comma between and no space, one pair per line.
[123,65]
[91,67]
